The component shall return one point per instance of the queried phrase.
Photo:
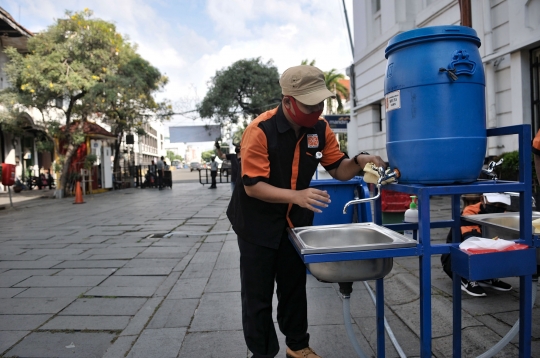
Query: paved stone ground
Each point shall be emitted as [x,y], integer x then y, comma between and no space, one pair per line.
[100,280]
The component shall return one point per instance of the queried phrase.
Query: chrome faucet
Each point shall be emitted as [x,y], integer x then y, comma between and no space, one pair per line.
[490,168]
[383,177]
[360,201]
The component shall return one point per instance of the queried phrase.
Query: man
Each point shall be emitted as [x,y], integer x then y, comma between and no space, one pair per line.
[234,158]
[213,172]
[160,166]
[280,152]
[489,203]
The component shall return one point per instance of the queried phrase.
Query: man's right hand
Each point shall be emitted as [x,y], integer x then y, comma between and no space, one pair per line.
[310,198]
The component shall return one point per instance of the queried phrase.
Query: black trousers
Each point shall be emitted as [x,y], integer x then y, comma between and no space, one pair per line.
[160,178]
[260,267]
[213,175]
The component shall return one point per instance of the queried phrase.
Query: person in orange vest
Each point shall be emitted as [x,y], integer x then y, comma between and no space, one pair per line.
[490,203]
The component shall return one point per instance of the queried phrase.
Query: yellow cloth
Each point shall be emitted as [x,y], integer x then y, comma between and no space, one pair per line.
[536,224]
[371,174]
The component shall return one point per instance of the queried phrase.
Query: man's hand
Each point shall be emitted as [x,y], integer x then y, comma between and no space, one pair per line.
[375,159]
[310,198]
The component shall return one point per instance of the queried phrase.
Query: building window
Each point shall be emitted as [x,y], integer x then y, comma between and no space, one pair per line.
[376,18]
[376,6]
[535,89]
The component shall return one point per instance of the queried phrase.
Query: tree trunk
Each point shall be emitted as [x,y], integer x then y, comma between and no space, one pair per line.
[116,165]
[65,168]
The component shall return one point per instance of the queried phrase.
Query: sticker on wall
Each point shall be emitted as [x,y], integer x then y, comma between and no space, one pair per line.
[392,101]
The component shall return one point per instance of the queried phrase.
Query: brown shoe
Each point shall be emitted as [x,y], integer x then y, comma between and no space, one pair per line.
[302,353]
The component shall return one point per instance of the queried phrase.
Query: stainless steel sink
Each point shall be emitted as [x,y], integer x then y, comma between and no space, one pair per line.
[348,237]
[503,225]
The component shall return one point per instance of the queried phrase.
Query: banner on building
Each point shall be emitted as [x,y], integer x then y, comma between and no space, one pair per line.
[191,134]
[338,122]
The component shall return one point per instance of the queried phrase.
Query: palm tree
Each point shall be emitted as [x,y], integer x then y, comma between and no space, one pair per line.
[332,83]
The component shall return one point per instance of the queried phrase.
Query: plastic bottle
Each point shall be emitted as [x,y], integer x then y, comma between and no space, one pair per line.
[411,216]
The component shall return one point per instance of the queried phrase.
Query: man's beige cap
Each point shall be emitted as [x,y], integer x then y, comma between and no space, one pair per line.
[306,84]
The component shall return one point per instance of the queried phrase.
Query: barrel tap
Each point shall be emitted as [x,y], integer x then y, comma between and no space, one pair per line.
[490,168]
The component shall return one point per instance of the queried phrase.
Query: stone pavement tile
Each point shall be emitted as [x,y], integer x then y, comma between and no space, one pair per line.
[61,281]
[30,272]
[91,264]
[494,302]
[67,257]
[205,257]
[228,260]
[324,306]
[6,292]
[211,315]
[197,270]
[502,322]
[113,291]
[104,307]
[120,347]
[174,313]
[474,342]
[230,246]
[403,287]
[152,262]
[22,322]
[39,264]
[133,281]
[87,272]
[164,252]
[214,344]
[53,251]
[210,246]
[53,344]
[224,280]
[21,257]
[216,238]
[441,316]
[117,250]
[407,340]
[92,323]
[117,256]
[143,271]
[164,342]
[33,305]
[54,292]
[167,285]
[188,288]
[9,338]
[140,320]
[8,281]
[332,341]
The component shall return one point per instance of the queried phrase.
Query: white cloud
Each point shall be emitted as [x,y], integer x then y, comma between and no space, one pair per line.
[190,53]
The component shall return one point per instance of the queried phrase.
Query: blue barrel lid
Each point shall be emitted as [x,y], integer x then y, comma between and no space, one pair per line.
[431,33]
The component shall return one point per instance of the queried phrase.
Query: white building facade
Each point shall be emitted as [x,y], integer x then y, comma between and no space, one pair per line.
[509,31]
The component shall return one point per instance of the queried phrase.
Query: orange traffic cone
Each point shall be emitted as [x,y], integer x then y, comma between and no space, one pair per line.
[78,194]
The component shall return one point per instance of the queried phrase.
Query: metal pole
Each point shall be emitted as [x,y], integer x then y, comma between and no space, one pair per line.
[10,201]
[348,28]
[465,12]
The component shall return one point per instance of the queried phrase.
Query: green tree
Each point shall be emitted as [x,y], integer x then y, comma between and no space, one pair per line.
[126,99]
[241,92]
[172,156]
[207,155]
[65,61]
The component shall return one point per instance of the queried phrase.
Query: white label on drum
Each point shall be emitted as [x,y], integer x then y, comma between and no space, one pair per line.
[392,101]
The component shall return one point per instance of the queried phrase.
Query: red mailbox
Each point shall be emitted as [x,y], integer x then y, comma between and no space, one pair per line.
[8,174]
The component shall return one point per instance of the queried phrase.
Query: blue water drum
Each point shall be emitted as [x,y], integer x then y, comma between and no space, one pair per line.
[435,105]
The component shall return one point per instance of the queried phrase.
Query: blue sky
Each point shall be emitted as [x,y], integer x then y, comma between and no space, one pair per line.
[189,40]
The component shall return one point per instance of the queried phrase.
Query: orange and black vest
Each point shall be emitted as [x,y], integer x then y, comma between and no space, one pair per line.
[272,153]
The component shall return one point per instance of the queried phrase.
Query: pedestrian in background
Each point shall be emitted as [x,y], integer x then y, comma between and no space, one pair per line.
[490,203]
[213,172]
[281,150]
[160,167]
[234,158]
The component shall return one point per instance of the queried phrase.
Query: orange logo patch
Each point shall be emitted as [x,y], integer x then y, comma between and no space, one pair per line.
[312,141]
